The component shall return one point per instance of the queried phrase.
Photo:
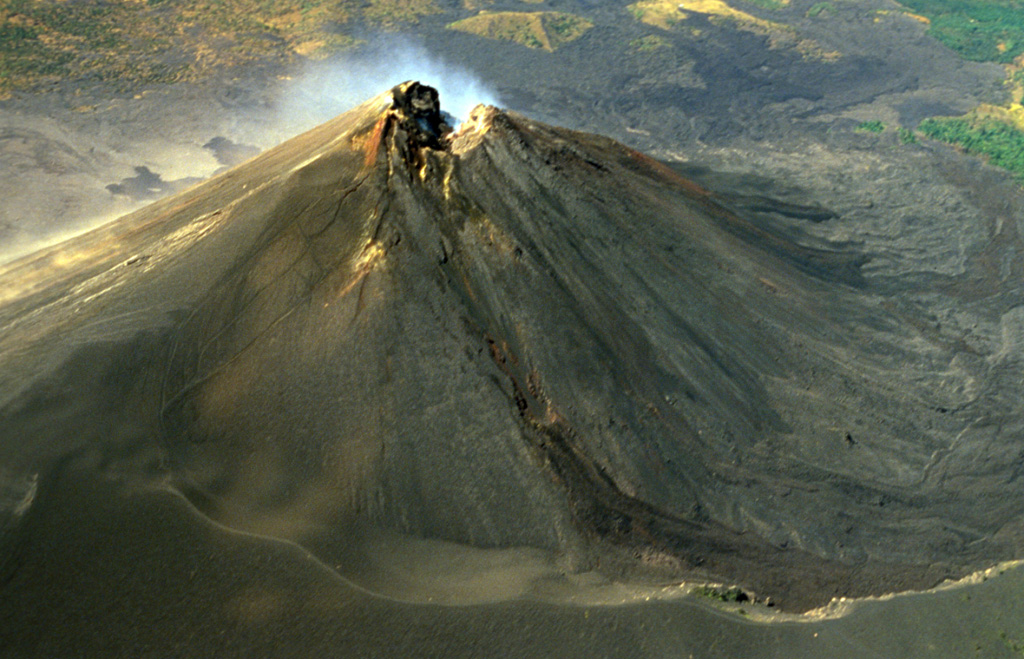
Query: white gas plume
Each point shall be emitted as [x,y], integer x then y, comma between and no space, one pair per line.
[326,89]
[165,130]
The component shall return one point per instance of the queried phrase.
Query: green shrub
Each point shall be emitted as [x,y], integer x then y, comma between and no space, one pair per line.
[906,136]
[821,7]
[768,4]
[1001,143]
[979,30]
[870,127]
[650,43]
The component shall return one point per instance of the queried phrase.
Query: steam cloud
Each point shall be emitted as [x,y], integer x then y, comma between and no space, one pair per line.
[312,96]
[329,88]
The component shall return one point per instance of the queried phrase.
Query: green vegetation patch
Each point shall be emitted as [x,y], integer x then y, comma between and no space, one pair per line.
[769,4]
[979,30]
[664,14]
[547,30]
[1001,143]
[650,43]
[1012,644]
[870,127]
[821,8]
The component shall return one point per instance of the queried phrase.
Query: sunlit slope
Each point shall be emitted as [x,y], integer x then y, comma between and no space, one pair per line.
[546,30]
[517,336]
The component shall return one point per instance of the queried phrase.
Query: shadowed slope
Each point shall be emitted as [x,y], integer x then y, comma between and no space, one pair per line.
[513,335]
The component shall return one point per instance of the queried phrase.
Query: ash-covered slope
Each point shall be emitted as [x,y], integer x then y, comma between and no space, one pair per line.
[514,335]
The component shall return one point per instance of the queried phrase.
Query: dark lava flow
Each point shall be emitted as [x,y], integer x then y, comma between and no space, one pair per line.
[512,335]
